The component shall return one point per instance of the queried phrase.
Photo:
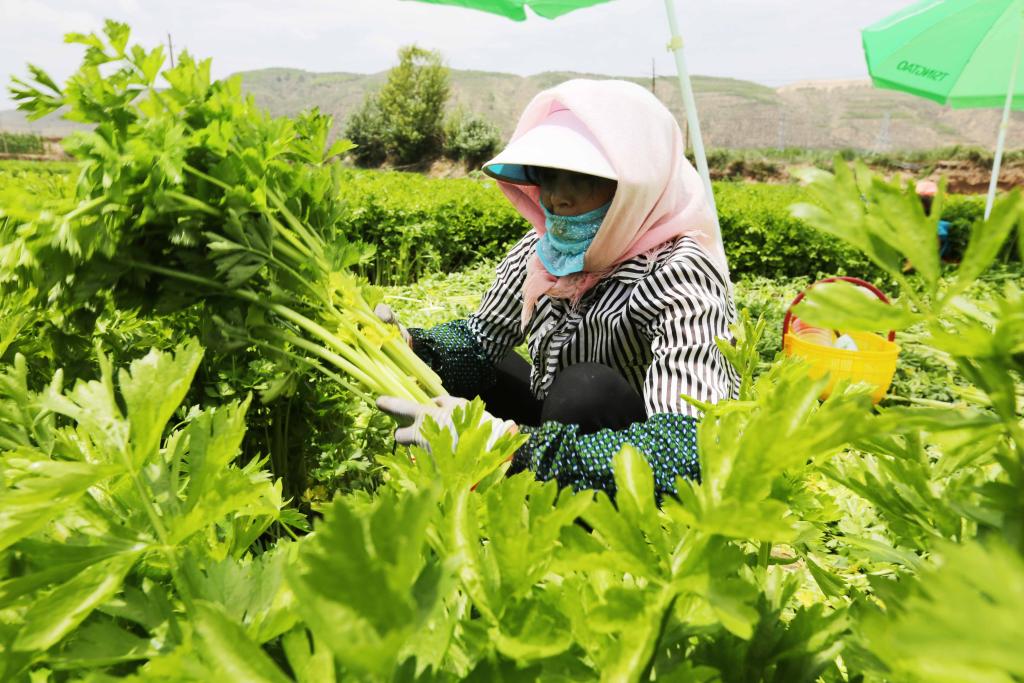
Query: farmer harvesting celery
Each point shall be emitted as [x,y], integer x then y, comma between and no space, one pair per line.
[620,290]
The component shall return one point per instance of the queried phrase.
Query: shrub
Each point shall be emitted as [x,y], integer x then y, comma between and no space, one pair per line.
[962,213]
[762,238]
[471,138]
[365,128]
[421,225]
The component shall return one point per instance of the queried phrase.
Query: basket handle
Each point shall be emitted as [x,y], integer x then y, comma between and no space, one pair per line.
[853,280]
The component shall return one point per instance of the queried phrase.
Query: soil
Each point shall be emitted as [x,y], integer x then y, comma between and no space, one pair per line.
[446,168]
[963,176]
[967,177]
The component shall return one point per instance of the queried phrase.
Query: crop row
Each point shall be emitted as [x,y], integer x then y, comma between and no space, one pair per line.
[21,143]
[420,225]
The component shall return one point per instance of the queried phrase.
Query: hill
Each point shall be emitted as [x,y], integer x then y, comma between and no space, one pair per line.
[734,113]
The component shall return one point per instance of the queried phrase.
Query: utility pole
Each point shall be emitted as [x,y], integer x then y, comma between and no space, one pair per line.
[781,141]
[652,78]
[170,48]
[884,138]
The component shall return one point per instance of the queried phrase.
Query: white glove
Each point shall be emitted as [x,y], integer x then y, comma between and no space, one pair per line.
[411,415]
[384,312]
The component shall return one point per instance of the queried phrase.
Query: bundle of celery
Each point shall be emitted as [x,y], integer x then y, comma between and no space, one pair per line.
[188,192]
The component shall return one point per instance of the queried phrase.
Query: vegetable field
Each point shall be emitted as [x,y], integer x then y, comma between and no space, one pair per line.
[195,486]
[21,143]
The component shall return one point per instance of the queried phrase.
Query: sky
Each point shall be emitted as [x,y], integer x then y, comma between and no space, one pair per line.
[774,42]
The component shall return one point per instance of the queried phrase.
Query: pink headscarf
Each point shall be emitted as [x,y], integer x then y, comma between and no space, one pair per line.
[659,195]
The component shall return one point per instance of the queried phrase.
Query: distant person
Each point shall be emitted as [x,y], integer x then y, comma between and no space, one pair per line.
[620,290]
[926,190]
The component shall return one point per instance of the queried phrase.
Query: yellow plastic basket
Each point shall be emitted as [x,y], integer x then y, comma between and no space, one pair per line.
[873,363]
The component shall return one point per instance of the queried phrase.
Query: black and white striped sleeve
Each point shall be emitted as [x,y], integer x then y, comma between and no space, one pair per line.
[496,325]
[684,306]
[464,353]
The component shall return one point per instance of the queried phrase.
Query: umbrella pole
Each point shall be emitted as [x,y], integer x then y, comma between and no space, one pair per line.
[693,123]
[1004,124]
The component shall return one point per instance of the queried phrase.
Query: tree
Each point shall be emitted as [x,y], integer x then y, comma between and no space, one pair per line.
[404,122]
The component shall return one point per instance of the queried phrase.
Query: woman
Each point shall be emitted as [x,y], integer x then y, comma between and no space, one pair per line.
[621,290]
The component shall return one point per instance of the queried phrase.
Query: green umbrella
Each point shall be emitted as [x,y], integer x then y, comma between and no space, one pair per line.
[549,9]
[964,53]
[514,9]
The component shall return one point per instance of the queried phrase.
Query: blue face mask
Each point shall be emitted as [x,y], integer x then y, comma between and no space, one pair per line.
[567,239]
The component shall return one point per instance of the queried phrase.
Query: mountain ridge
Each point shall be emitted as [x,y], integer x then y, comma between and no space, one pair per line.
[734,113]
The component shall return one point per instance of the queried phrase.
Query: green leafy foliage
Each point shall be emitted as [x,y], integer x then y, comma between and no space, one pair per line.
[470,137]
[366,128]
[404,122]
[191,193]
[119,509]
[644,592]
[928,635]
[21,143]
[826,541]
[936,472]
[758,573]
[420,225]
[762,238]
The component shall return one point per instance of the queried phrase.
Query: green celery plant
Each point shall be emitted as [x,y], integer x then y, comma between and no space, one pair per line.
[112,530]
[504,581]
[944,478]
[190,192]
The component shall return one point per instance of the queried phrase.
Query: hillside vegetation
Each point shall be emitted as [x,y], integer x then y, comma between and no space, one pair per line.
[734,113]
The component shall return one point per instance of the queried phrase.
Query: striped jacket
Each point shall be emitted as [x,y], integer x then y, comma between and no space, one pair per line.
[655,319]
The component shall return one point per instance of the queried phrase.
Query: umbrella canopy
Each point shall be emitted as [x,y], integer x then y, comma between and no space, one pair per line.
[514,9]
[963,53]
[549,9]
[956,52]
